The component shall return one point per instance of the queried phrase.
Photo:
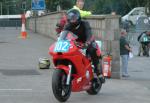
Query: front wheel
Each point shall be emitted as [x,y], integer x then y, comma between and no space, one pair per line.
[60,89]
[95,87]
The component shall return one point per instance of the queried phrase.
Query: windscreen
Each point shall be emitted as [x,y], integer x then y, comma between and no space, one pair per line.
[67,35]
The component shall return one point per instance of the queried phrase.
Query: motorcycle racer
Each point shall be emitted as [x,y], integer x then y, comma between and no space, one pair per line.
[83,31]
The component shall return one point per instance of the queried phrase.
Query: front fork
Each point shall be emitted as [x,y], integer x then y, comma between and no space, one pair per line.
[69,75]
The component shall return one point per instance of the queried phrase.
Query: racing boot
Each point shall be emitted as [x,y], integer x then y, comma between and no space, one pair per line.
[98,71]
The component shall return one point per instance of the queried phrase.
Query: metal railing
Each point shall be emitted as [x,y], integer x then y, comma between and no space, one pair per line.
[10,23]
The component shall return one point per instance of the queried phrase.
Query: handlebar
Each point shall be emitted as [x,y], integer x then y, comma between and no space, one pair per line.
[81,45]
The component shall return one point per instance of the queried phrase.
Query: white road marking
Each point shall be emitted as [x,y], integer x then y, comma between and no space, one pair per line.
[15,89]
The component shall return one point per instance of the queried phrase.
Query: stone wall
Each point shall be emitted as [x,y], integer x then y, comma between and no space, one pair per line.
[104,27]
[45,25]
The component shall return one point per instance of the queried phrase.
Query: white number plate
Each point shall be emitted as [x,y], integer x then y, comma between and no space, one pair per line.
[62,46]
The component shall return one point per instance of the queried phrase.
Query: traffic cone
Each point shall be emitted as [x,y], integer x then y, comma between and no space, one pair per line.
[23,32]
[23,29]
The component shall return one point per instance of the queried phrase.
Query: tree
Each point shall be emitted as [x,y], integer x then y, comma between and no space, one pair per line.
[148,8]
[15,6]
[51,5]
[121,7]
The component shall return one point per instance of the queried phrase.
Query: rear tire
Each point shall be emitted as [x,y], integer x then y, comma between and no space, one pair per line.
[60,89]
[95,87]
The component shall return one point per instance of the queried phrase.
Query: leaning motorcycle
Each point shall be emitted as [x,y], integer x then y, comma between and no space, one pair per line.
[73,68]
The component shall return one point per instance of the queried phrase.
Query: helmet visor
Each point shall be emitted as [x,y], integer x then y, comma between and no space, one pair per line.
[72,18]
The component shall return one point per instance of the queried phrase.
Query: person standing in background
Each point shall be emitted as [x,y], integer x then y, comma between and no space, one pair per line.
[144,40]
[124,53]
[79,6]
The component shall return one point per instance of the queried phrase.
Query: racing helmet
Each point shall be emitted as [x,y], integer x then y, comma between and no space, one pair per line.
[73,17]
[44,63]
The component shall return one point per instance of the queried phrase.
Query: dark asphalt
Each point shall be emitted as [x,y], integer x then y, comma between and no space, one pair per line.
[22,82]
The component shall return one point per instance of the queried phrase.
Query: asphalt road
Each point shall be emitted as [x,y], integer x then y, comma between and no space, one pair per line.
[22,82]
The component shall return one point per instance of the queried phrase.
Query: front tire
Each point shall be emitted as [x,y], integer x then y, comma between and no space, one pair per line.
[60,89]
[95,87]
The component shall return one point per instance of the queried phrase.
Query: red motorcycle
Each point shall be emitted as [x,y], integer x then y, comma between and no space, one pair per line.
[73,68]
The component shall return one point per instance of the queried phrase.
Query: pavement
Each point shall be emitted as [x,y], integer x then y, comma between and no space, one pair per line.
[22,82]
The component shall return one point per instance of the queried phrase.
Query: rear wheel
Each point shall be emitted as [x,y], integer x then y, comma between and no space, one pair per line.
[95,87]
[60,89]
